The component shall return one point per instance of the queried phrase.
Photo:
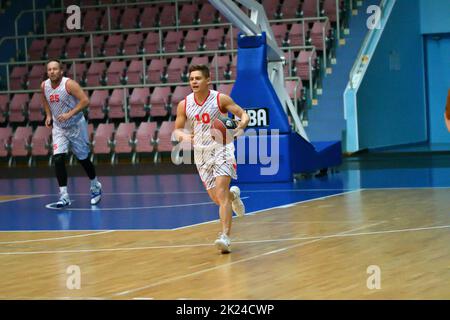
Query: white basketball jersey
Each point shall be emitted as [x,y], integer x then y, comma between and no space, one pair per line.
[60,101]
[201,115]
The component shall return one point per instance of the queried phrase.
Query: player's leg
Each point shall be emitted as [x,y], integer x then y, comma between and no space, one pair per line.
[80,147]
[223,197]
[60,147]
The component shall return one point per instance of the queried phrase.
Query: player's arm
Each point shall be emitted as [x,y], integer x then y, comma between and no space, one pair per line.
[75,90]
[226,103]
[179,133]
[48,113]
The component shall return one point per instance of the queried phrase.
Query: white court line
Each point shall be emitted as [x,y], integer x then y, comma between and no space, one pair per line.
[403,188]
[201,192]
[58,238]
[19,199]
[231,263]
[271,208]
[239,242]
[135,208]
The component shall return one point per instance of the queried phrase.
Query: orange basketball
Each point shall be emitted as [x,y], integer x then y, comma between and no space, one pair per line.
[222,129]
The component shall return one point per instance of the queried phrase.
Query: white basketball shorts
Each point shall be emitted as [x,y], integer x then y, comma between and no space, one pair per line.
[75,137]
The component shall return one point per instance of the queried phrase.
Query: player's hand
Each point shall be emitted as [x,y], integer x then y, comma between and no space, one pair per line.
[186,137]
[238,131]
[48,121]
[64,117]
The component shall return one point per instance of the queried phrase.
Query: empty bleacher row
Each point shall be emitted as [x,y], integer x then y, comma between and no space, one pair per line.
[171,41]
[156,70]
[147,15]
[107,140]
[142,104]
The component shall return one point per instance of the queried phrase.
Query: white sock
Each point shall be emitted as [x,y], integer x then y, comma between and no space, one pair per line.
[94,182]
[63,190]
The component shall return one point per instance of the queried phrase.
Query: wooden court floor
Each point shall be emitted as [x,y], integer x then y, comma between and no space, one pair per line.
[319,249]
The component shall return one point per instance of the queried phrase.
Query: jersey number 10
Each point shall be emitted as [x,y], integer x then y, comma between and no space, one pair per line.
[205,118]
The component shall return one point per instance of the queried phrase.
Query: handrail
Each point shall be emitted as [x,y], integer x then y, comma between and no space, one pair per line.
[198,26]
[359,61]
[143,57]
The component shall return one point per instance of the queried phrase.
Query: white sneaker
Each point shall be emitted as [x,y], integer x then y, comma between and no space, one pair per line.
[223,243]
[237,205]
[63,201]
[96,193]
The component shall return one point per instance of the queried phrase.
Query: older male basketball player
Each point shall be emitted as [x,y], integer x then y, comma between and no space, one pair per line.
[215,162]
[64,101]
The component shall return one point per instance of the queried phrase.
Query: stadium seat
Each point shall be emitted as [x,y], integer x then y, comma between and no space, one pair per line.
[145,136]
[309,8]
[319,34]
[18,108]
[164,143]
[188,14]
[36,111]
[115,73]
[222,63]
[115,19]
[55,22]
[130,18]
[76,47]
[303,63]
[133,43]
[208,14]
[4,107]
[18,77]
[116,104]
[37,49]
[20,143]
[41,141]
[172,41]
[291,9]
[156,70]
[139,102]
[148,17]
[36,76]
[167,16]
[124,138]
[98,104]
[5,141]
[95,74]
[177,70]
[135,72]
[114,45]
[152,43]
[296,33]
[214,38]
[91,20]
[56,48]
[102,139]
[193,40]
[159,102]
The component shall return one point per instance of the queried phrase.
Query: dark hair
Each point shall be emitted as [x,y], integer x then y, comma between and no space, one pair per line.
[55,60]
[200,67]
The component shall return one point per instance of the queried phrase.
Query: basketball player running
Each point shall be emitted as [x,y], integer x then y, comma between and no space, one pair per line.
[215,162]
[63,101]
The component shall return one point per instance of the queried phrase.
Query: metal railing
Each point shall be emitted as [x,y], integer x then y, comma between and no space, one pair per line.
[361,59]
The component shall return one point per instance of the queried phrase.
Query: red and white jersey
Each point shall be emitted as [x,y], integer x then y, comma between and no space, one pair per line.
[201,115]
[61,101]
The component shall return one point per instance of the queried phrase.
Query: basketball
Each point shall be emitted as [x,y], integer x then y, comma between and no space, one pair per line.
[222,129]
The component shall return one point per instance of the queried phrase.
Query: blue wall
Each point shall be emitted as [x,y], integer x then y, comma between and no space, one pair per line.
[438,84]
[391,99]
[435,16]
